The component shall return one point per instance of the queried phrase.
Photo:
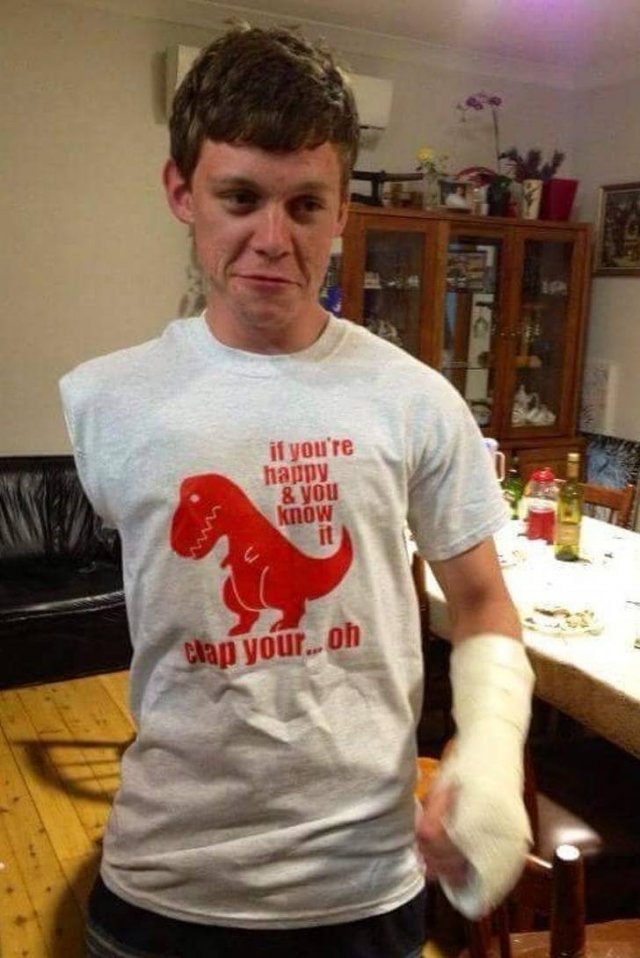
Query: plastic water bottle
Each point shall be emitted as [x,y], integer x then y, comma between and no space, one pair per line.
[541,494]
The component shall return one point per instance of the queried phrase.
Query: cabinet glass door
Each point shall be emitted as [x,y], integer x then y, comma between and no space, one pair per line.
[470,323]
[392,294]
[540,337]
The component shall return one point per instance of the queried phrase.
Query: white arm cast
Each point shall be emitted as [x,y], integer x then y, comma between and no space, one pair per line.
[492,683]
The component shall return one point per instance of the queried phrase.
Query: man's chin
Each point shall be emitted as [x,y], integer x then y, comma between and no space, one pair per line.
[287,310]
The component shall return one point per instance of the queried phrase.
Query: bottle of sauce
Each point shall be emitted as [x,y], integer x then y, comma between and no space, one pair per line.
[569,513]
[512,488]
[541,505]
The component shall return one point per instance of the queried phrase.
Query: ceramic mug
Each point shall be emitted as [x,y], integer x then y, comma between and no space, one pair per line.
[497,456]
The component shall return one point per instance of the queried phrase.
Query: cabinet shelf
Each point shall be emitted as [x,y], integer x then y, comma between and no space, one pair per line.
[389,288]
[462,365]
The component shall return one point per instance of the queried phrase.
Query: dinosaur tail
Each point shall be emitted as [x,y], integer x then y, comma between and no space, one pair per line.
[321,576]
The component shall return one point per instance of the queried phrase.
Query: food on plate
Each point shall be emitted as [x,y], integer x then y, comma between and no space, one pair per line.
[558,620]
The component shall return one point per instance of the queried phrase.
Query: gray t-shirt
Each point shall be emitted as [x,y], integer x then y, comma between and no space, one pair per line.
[276,679]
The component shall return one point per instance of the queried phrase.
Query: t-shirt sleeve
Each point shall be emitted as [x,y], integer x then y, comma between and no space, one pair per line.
[455,499]
[78,421]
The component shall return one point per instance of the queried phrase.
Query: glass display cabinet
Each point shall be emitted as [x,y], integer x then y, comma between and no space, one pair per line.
[498,305]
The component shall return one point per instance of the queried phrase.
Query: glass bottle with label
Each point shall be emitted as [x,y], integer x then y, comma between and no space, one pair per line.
[569,513]
[512,488]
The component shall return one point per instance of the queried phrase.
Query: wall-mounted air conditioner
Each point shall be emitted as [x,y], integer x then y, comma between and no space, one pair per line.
[373,95]
[373,99]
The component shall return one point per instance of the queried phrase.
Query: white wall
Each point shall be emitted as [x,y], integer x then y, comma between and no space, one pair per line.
[607,148]
[93,261]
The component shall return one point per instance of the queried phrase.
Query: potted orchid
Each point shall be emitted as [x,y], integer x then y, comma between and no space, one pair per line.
[499,184]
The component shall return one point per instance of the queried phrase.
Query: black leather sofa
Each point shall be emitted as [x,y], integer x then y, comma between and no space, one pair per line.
[62,612]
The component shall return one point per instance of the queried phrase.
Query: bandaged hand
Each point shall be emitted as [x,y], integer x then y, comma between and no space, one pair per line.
[442,859]
[474,832]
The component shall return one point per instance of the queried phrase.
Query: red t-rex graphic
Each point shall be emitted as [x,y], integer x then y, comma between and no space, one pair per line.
[266,570]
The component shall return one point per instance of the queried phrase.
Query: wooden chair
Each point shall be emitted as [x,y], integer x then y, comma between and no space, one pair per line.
[612,505]
[555,890]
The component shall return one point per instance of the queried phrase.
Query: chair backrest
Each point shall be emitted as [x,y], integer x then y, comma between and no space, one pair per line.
[556,890]
[612,505]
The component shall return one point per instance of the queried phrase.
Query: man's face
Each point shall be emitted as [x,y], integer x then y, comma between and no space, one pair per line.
[263,224]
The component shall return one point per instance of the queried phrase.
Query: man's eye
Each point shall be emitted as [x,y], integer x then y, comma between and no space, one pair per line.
[240,199]
[306,205]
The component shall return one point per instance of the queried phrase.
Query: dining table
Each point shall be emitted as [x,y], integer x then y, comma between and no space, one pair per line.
[581,623]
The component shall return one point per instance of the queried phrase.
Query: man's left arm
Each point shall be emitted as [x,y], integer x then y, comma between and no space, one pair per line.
[474,830]
[476,594]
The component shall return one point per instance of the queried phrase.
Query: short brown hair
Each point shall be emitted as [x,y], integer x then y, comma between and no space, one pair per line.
[269,88]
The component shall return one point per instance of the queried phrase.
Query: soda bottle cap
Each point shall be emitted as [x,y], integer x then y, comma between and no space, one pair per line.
[543,475]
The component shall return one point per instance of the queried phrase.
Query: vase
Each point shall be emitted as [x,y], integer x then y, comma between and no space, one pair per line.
[557,199]
[430,192]
[531,197]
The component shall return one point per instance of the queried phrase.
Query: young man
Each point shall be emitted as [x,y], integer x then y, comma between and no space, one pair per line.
[260,463]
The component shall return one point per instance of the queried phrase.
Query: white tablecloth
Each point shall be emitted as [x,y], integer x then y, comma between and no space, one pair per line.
[594,678]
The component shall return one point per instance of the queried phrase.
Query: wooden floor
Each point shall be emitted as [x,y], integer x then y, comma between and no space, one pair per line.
[60,748]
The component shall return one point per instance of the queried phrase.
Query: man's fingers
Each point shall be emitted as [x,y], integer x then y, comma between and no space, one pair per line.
[436,809]
[442,858]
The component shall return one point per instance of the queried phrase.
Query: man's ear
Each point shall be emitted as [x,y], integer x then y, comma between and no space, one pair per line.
[178,193]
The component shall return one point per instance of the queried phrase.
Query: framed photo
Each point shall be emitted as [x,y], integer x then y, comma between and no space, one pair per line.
[466,269]
[618,231]
[456,194]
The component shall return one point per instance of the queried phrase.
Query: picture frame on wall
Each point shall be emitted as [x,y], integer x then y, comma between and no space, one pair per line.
[618,230]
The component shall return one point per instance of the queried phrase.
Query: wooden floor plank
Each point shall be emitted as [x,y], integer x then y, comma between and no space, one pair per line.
[20,933]
[55,808]
[117,684]
[93,723]
[80,874]
[93,710]
[98,726]
[33,874]
[83,786]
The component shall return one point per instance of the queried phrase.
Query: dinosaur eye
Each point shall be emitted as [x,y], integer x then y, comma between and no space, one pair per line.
[194,497]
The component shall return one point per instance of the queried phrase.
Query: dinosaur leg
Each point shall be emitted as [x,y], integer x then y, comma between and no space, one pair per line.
[246,617]
[290,618]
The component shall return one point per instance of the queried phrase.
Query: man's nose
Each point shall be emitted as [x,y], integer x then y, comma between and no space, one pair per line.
[272,233]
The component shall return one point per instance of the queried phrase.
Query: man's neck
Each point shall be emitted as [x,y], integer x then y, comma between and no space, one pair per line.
[264,336]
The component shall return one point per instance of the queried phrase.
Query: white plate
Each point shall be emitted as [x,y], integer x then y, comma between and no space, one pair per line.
[558,620]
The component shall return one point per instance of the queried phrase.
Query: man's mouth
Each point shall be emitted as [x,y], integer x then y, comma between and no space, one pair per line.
[266,278]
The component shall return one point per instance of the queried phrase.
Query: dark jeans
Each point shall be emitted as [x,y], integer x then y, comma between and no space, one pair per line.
[116,929]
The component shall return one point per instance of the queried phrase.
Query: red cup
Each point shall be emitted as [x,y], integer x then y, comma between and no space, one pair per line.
[540,522]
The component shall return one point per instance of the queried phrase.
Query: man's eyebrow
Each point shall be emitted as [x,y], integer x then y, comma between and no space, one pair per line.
[225,182]
[245,183]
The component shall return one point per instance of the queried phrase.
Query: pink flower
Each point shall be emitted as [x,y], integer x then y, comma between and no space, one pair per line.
[478,101]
